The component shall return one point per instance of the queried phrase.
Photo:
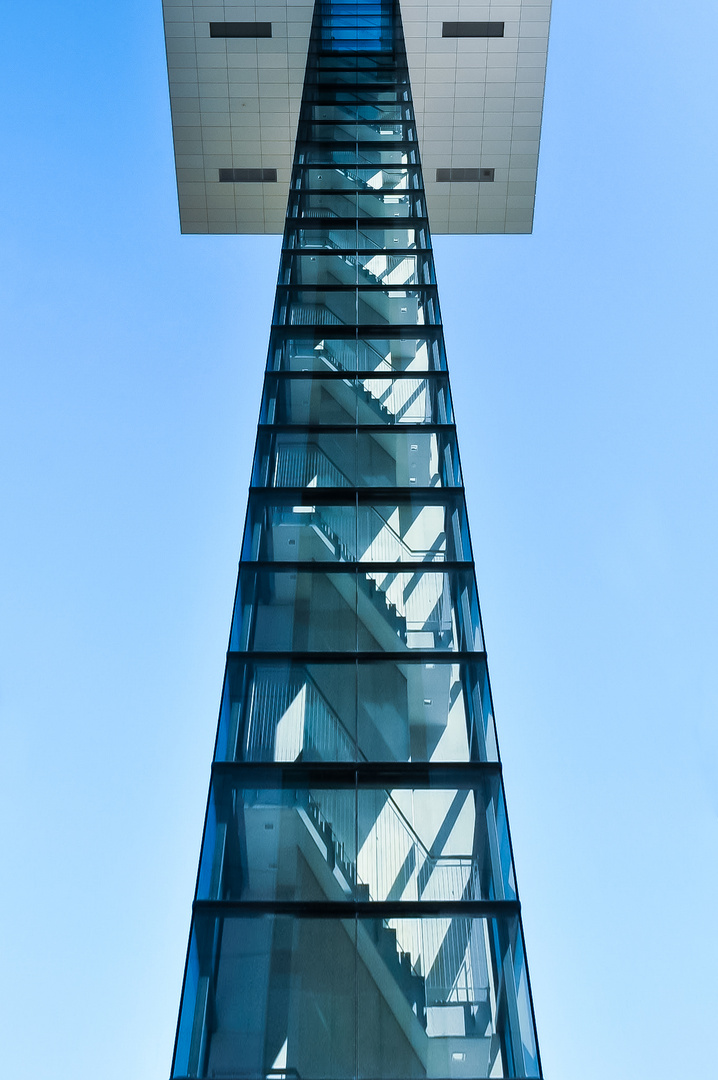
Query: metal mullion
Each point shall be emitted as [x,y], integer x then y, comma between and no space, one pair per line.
[361,144]
[405,656]
[357,566]
[344,376]
[373,909]
[344,429]
[329,496]
[364,775]
[380,288]
[374,332]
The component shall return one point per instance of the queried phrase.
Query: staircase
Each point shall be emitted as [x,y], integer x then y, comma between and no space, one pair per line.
[305,465]
[391,400]
[436,964]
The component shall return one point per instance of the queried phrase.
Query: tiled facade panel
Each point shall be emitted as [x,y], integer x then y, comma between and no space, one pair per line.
[478,103]
[235,104]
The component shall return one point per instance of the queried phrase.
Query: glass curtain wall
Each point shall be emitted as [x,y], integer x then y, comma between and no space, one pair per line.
[356,912]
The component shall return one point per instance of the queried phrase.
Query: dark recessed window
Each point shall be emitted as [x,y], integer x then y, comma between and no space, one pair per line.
[473,29]
[248,176]
[464,176]
[240,29]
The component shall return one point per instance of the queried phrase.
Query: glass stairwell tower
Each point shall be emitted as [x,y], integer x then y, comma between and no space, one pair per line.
[356,912]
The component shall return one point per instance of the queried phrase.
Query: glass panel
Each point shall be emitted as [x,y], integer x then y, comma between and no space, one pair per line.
[348,268]
[389,458]
[434,711]
[391,237]
[400,458]
[302,533]
[403,401]
[322,205]
[374,307]
[425,845]
[340,611]
[336,401]
[402,997]
[284,712]
[345,110]
[315,307]
[309,350]
[390,206]
[314,459]
[524,1011]
[309,401]
[425,609]
[328,153]
[325,269]
[295,611]
[191,1025]
[319,204]
[316,841]
[266,843]
[361,132]
[325,93]
[407,530]
[404,353]
[266,1003]
[321,237]
[391,269]
[382,68]
[410,307]
[308,529]
[328,178]
[375,67]
[355,178]
[453,1007]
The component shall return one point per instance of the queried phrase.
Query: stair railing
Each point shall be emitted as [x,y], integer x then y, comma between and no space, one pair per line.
[389,546]
[303,465]
[442,951]
[397,398]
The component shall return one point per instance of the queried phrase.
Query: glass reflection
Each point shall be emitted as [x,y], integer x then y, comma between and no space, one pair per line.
[430,711]
[260,999]
[335,400]
[348,306]
[349,268]
[308,528]
[325,349]
[334,459]
[275,711]
[342,610]
[315,841]
[381,710]
[434,997]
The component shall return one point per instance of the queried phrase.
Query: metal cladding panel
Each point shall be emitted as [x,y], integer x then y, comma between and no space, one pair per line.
[478,102]
[235,105]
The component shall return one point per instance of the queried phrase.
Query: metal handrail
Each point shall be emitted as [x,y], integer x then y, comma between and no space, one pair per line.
[444,952]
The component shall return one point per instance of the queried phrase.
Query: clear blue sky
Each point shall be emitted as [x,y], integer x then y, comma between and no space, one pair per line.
[583,361]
